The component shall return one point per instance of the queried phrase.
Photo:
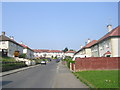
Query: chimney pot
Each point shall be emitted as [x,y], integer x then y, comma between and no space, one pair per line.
[88,41]
[81,46]
[109,27]
[3,33]
[11,37]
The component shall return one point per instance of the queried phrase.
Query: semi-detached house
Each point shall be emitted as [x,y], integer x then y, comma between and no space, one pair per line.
[108,45]
[86,50]
[28,51]
[9,47]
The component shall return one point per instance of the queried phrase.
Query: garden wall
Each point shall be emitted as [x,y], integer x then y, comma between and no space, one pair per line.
[97,63]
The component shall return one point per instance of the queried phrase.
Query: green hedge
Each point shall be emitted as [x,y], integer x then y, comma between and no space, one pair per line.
[12,65]
[68,61]
[9,63]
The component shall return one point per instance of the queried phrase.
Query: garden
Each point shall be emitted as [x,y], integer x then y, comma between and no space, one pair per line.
[8,63]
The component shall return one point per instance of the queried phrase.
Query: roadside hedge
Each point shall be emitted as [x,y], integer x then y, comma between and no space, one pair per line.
[9,63]
[6,66]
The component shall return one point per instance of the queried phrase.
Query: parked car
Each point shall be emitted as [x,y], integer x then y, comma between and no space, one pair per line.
[43,62]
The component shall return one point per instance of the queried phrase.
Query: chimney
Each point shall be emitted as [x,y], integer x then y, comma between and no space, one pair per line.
[11,37]
[109,27]
[3,33]
[88,41]
[81,46]
[21,42]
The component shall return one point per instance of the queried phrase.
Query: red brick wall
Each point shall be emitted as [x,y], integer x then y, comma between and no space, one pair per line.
[97,63]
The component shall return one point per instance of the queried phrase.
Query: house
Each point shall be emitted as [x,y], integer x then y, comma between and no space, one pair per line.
[9,47]
[108,45]
[55,53]
[28,51]
[47,53]
[86,50]
[70,53]
[40,53]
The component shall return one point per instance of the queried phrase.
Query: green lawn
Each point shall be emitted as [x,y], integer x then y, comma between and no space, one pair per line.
[99,79]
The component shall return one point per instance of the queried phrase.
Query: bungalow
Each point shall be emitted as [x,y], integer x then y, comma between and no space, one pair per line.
[9,47]
[108,45]
[28,51]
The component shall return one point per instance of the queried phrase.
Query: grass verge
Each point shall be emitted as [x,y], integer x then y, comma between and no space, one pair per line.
[99,79]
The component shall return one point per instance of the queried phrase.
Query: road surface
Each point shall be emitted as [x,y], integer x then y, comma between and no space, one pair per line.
[43,76]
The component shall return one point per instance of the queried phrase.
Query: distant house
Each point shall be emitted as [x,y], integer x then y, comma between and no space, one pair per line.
[70,53]
[47,53]
[9,47]
[86,50]
[40,53]
[28,51]
[108,45]
[55,53]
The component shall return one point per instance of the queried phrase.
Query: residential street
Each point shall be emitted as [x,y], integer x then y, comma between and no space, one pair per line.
[52,75]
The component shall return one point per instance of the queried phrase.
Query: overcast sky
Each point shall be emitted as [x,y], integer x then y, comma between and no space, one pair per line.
[53,25]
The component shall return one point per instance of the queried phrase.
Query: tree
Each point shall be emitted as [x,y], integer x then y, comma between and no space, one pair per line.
[65,50]
[72,50]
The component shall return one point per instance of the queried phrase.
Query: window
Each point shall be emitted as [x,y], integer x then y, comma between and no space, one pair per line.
[3,42]
[108,55]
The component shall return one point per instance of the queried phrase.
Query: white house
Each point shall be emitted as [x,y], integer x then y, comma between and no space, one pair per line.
[9,47]
[47,53]
[55,53]
[108,45]
[70,53]
[86,50]
[28,51]
[40,53]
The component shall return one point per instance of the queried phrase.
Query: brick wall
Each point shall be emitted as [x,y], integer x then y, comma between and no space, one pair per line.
[97,63]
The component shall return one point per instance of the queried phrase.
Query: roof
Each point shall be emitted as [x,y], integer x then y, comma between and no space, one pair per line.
[114,32]
[40,50]
[90,44]
[108,52]
[87,45]
[70,52]
[49,51]
[24,46]
[5,38]
[55,51]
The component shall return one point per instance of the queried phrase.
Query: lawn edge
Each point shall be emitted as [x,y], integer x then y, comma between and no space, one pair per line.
[83,80]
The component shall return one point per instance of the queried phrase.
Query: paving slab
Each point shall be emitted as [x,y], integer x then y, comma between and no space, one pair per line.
[66,79]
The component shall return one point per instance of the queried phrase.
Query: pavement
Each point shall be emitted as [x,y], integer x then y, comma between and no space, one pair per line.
[52,75]
[65,78]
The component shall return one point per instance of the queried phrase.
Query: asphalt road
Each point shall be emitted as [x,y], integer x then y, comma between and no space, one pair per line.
[38,77]
[51,75]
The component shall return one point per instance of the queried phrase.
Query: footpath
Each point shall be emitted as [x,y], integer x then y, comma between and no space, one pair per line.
[16,70]
[65,78]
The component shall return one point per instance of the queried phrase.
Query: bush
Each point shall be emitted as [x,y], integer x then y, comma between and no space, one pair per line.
[68,61]
[6,66]
[22,56]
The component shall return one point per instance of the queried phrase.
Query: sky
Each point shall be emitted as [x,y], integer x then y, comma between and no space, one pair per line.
[56,25]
